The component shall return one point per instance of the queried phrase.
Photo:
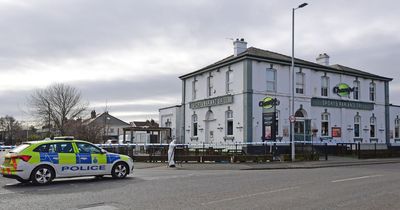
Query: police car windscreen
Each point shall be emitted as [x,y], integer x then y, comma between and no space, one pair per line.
[20,148]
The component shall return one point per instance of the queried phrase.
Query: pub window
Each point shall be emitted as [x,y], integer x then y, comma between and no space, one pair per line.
[271,80]
[325,124]
[168,123]
[356,92]
[229,122]
[300,83]
[372,90]
[194,89]
[210,86]
[194,125]
[357,126]
[229,81]
[324,85]
[372,127]
[397,128]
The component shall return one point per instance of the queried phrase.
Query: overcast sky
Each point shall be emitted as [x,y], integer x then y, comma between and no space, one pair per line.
[129,54]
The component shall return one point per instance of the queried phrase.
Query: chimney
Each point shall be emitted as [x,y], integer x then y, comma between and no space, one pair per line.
[323,59]
[93,114]
[239,46]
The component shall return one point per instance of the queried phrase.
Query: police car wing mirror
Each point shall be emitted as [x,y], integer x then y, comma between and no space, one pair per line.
[103,151]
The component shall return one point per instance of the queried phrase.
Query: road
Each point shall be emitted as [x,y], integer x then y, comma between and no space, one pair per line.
[358,187]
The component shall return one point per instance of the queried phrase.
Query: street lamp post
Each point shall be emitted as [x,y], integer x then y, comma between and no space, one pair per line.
[293,89]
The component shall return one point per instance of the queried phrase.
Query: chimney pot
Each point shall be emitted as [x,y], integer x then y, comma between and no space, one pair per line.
[323,59]
[239,46]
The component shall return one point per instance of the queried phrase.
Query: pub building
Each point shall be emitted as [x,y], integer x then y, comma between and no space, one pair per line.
[246,97]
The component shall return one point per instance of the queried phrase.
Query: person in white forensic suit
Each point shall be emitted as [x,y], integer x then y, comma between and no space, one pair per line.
[171,153]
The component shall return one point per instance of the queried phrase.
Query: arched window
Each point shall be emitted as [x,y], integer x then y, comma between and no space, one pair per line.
[356,92]
[299,113]
[324,85]
[210,85]
[325,124]
[372,89]
[357,126]
[194,125]
[209,115]
[229,81]
[300,82]
[229,122]
[372,127]
[271,80]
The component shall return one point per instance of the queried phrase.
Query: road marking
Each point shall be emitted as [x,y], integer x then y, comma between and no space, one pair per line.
[6,193]
[356,178]
[250,195]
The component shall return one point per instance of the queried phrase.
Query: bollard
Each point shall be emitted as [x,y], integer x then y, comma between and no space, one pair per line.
[326,151]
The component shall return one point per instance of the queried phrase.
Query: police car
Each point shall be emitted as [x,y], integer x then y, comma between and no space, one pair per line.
[42,161]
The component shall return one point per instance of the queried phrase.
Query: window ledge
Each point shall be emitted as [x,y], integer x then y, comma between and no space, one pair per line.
[195,138]
[229,138]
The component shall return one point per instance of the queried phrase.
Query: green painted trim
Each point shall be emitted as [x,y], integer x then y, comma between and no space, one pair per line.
[387,113]
[248,100]
[335,103]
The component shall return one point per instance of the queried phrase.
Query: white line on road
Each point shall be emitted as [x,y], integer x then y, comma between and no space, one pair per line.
[250,195]
[356,178]
[6,193]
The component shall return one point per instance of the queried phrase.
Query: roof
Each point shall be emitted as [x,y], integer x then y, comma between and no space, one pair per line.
[168,107]
[147,123]
[273,57]
[111,120]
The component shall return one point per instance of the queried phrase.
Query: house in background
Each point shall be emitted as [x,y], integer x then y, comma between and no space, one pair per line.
[145,124]
[111,126]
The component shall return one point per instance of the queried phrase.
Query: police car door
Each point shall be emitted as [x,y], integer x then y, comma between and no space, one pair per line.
[64,158]
[90,159]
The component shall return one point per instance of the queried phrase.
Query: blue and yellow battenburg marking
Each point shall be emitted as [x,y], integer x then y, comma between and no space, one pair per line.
[49,157]
[81,158]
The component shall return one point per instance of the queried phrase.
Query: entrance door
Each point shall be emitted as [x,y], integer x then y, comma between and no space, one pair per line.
[209,128]
[302,126]
[299,130]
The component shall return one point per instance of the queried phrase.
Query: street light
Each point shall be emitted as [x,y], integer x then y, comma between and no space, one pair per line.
[293,89]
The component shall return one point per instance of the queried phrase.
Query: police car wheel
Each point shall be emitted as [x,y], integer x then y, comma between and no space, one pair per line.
[119,170]
[42,175]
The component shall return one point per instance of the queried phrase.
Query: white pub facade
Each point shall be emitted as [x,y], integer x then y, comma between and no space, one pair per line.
[333,103]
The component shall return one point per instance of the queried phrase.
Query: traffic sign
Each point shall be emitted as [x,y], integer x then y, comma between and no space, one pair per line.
[292,118]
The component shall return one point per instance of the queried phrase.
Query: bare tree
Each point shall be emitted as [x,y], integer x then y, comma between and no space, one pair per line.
[56,104]
[83,130]
[9,128]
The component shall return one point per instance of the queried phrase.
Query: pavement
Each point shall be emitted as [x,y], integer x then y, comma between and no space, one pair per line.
[333,161]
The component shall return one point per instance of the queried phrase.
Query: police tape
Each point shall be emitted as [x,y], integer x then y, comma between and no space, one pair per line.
[6,147]
[233,144]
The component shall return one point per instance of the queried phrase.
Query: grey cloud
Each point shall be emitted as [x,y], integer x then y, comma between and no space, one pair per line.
[45,31]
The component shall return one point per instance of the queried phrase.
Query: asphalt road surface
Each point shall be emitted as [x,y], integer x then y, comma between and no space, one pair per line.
[359,187]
